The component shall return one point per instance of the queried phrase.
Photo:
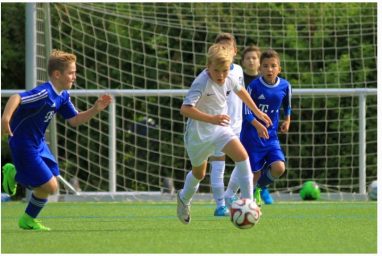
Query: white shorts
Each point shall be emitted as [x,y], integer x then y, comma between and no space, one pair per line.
[199,151]
[219,153]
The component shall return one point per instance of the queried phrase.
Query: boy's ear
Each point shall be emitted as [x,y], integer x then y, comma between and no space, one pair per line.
[56,74]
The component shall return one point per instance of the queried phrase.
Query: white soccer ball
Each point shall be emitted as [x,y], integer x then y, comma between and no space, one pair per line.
[372,192]
[244,213]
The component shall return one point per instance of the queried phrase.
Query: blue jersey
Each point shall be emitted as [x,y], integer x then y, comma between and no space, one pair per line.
[32,117]
[33,160]
[268,99]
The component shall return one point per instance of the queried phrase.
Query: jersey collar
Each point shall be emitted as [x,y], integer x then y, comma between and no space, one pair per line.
[54,88]
[270,85]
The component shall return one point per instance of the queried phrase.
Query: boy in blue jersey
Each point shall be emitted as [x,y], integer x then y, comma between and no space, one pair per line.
[250,62]
[25,119]
[269,92]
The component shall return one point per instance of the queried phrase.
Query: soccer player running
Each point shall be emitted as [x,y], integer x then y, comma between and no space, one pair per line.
[25,119]
[269,92]
[208,130]
[217,161]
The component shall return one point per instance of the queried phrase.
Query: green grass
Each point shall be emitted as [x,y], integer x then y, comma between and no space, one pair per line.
[293,227]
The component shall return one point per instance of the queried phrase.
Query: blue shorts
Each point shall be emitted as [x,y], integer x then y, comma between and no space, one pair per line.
[34,167]
[261,159]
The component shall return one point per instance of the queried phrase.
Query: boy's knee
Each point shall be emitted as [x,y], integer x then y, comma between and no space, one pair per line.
[51,187]
[278,170]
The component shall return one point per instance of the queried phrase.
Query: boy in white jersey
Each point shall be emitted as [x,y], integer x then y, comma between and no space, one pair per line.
[208,127]
[217,161]
[25,119]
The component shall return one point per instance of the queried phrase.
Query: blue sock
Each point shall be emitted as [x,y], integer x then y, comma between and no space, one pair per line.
[266,178]
[35,205]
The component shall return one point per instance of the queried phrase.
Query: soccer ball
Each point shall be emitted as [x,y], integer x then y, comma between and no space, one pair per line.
[310,191]
[244,213]
[372,191]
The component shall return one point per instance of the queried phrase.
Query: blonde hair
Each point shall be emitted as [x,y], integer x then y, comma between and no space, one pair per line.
[59,60]
[219,55]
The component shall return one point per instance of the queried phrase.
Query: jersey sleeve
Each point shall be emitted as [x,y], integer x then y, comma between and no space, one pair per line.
[34,98]
[67,110]
[287,101]
[247,112]
[195,92]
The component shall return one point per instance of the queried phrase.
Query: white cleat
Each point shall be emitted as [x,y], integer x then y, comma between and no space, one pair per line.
[183,210]
[230,200]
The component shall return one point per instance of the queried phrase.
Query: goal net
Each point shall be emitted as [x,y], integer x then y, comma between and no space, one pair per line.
[156,46]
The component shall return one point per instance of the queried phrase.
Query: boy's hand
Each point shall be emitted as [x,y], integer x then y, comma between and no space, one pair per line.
[102,102]
[262,131]
[222,120]
[5,128]
[265,118]
[284,128]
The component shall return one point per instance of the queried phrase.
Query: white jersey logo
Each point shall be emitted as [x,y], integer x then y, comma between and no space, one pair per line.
[261,97]
[48,116]
[264,107]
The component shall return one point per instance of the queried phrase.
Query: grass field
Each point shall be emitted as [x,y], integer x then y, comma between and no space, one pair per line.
[289,227]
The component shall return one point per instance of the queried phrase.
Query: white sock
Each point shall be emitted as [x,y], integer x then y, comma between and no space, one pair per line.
[191,185]
[233,184]
[217,181]
[245,178]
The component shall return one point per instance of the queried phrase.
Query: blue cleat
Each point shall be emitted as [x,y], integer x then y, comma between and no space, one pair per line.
[266,196]
[221,211]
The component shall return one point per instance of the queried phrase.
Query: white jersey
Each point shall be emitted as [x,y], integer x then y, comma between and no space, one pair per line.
[235,104]
[210,98]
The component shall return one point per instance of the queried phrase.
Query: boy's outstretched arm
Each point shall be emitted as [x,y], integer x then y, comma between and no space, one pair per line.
[246,98]
[194,113]
[10,107]
[82,117]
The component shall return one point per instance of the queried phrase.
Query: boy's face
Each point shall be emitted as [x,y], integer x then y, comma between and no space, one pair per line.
[218,73]
[251,62]
[270,68]
[65,80]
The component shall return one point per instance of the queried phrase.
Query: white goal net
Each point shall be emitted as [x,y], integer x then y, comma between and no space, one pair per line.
[156,46]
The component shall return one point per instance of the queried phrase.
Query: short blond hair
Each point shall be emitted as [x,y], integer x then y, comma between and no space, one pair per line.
[60,60]
[219,55]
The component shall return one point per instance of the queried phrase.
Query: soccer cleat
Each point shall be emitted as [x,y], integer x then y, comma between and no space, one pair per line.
[9,182]
[257,196]
[183,210]
[266,196]
[29,223]
[230,200]
[221,211]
